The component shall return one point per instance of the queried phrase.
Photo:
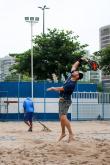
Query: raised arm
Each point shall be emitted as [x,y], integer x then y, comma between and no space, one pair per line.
[77,63]
[75,66]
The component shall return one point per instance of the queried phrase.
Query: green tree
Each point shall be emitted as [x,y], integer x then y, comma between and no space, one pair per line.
[15,77]
[104,59]
[53,52]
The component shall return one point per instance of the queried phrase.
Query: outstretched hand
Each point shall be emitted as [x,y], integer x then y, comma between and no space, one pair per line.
[50,89]
[84,59]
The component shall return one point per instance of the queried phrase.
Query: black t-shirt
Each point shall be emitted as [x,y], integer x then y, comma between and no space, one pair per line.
[69,87]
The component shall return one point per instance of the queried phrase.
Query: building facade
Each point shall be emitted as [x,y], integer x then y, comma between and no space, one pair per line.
[104,41]
[5,64]
[104,36]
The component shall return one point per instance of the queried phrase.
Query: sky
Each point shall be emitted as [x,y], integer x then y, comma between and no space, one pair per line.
[83,17]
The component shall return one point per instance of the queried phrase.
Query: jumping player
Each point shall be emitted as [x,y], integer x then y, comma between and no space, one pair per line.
[65,93]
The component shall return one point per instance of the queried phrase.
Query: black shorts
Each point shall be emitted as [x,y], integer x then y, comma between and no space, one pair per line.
[64,106]
[28,116]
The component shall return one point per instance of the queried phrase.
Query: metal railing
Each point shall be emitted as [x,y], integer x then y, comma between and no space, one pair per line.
[85,106]
[90,106]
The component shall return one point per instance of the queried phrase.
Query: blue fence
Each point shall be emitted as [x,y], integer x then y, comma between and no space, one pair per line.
[46,101]
[23,89]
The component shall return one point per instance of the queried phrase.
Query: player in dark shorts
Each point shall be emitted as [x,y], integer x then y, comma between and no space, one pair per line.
[28,112]
[65,98]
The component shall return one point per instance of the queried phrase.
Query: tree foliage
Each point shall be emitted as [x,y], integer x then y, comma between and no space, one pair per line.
[104,59]
[53,52]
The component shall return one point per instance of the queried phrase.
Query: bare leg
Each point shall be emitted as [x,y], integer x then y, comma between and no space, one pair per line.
[62,127]
[27,123]
[31,125]
[65,123]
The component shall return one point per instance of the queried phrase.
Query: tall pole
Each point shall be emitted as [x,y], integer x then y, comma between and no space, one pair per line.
[32,20]
[43,9]
[31,60]
[19,77]
[43,21]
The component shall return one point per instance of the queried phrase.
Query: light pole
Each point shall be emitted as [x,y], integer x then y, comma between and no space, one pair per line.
[43,9]
[32,20]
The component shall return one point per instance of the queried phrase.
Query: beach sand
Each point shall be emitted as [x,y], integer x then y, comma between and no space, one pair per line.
[20,147]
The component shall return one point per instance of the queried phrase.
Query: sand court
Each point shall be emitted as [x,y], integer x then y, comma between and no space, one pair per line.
[90,147]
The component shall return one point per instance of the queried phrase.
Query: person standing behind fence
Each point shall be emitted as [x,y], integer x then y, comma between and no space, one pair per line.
[28,106]
[65,93]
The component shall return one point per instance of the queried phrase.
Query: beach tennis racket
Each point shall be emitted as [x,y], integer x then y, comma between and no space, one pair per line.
[93,65]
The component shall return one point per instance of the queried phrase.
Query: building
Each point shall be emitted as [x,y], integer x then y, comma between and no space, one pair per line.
[95,76]
[104,36]
[92,76]
[104,41]
[5,64]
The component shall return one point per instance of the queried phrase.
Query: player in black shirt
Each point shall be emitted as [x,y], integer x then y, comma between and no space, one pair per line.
[65,98]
